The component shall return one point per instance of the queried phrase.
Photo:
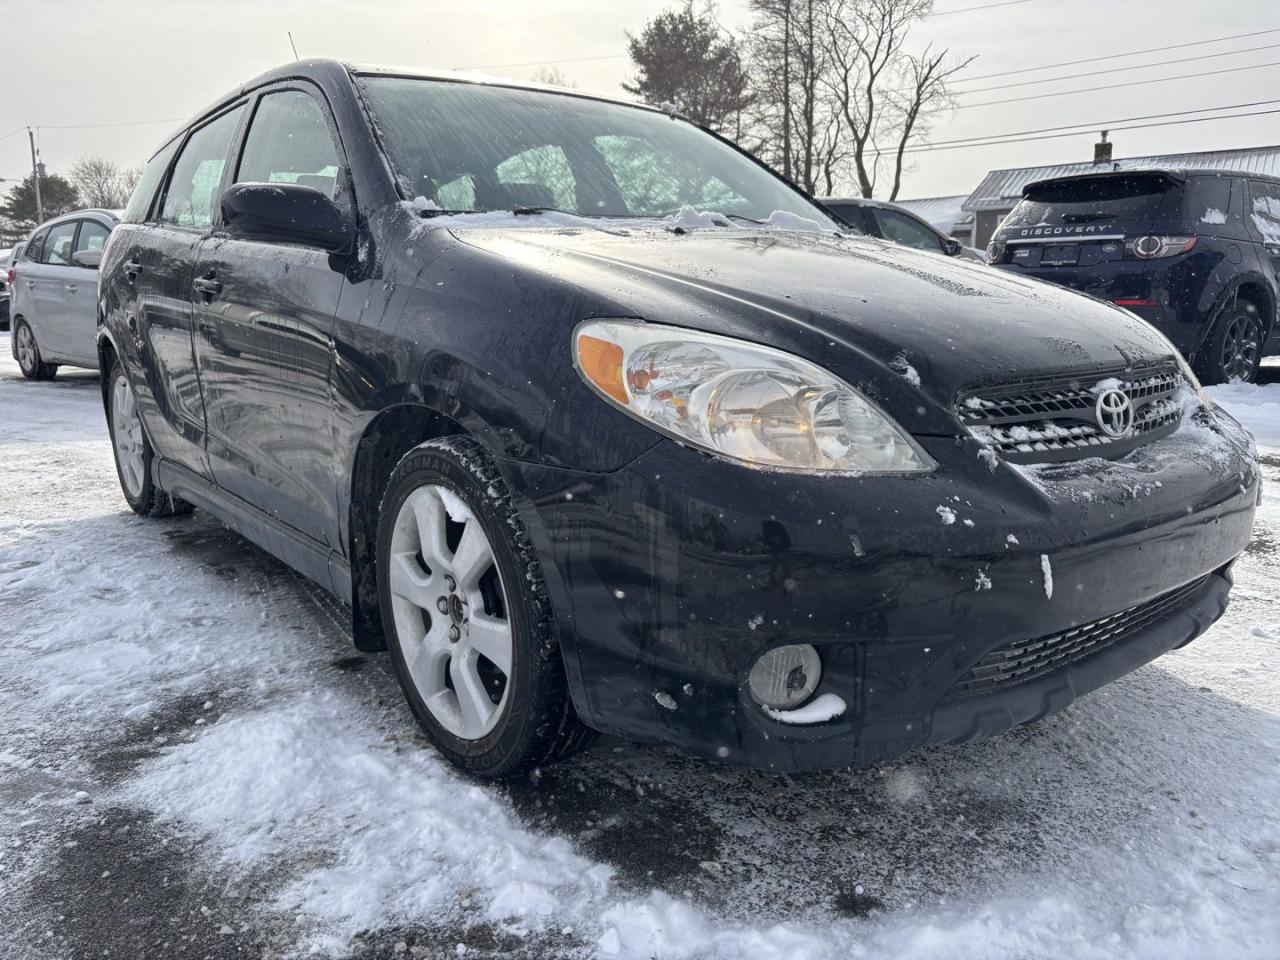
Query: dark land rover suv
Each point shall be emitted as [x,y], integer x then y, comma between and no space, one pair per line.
[1196,253]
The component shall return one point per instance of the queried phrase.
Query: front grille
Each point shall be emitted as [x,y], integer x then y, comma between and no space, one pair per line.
[1025,660]
[1055,419]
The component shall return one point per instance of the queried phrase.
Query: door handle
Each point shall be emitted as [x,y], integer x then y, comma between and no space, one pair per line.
[207,287]
[131,269]
[72,288]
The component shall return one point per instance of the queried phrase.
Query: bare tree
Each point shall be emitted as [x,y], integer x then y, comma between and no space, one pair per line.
[553,77]
[795,125]
[884,94]
[101,182]
[838,94]
[684,58]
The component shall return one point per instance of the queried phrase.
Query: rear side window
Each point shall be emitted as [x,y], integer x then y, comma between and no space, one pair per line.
[59,244]
[32,252]
[1264,210]
[289,142]
[197,174]
[144,194]
[93,236]
[1208,201]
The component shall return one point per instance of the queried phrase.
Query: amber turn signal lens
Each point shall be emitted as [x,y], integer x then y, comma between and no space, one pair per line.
[601,362]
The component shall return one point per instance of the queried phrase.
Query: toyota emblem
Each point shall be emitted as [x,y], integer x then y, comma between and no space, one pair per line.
[1115,413]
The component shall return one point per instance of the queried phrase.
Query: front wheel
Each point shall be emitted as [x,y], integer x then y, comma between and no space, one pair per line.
[1233,350]
[28,353]
[133,453]
[466,614]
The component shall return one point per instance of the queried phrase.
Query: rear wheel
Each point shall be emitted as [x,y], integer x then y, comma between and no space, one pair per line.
[28,353]
[466,615]
[133,453]
[1233,351]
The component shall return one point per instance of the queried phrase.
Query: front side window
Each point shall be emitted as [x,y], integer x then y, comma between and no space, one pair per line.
[59,243]
[471,147]
[144,194]
[905,230]
[193,186]
[93,236]
[289,142]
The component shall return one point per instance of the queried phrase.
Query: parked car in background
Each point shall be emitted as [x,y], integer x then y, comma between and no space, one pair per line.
[1195,253]
[888,221]
[4,287]
[54,288]
[584,458]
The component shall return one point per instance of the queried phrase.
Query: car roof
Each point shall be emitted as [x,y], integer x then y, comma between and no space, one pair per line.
[102,214]
[319,70]
[1173,173]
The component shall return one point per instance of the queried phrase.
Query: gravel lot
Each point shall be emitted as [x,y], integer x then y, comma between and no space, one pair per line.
[195,762]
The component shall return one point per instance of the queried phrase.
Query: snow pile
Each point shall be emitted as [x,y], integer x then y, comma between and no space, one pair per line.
[1255,406]
[823,708]
[303,779]
[1213,215]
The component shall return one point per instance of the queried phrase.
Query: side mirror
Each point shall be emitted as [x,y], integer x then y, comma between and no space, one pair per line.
[89,259]
[952,247]
[285,213]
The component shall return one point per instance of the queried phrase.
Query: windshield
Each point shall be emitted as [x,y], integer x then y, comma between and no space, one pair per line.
[1090,200]
[467,147]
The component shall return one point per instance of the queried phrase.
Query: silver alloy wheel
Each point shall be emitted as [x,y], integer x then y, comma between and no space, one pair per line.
[1240,348]
[26,348]
[451,612]
[126,428]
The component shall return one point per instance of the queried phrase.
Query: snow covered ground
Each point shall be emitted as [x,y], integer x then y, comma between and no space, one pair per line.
[194,762]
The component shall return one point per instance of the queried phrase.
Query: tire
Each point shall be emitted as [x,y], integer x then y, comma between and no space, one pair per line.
[1233,350]
[27,351]
[445,505]
[132,451]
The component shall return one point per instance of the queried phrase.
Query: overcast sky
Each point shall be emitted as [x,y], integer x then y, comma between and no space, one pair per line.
[92,62]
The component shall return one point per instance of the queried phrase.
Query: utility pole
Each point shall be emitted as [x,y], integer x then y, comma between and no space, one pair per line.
[35,176]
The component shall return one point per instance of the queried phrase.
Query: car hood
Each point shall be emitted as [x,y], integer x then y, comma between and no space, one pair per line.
[864,308]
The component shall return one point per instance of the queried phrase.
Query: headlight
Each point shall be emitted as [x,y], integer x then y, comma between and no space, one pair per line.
[740,400]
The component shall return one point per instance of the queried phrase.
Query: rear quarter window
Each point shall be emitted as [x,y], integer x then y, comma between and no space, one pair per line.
[144,194]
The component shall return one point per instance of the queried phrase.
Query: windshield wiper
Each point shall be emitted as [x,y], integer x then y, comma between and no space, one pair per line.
[439,212]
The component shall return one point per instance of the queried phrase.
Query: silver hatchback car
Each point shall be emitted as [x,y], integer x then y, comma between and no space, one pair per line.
[54,293]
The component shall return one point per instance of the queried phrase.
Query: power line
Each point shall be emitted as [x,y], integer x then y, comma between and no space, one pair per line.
[1131,53]
[1136,66]
[1076,133]
[985,6]
[1117,86]
[1101,124]
[92,126]
[539,63]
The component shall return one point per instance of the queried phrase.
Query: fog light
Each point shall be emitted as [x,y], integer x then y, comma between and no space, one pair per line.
[785,677]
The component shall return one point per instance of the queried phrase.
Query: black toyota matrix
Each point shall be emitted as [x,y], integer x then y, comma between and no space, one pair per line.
[596,423]
[1196,253]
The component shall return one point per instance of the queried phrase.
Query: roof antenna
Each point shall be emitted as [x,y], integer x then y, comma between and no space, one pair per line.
[294,45]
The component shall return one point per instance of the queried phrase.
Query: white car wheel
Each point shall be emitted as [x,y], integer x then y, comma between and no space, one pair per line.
[126,426]
[450,612]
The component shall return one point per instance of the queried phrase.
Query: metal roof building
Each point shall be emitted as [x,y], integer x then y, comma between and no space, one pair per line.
[1000,190]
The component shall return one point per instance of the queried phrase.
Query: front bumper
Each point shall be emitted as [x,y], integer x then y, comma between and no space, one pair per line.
[670,576]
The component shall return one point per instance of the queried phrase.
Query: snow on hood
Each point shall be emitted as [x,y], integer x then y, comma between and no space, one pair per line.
[686,219]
